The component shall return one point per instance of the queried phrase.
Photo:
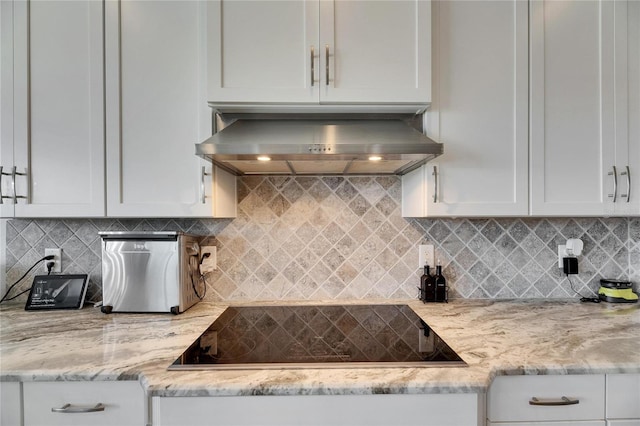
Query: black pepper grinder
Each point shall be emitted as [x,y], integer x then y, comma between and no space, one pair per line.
[440,285]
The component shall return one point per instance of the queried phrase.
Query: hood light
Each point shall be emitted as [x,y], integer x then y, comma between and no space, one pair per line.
[264,158]
[375,158]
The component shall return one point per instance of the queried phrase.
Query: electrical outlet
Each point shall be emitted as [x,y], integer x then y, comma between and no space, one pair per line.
[57,265]
[426,255]
[209,264]
[562,252]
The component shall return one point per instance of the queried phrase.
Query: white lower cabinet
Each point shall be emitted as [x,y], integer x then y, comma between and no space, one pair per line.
[326,410]
[10,404]
[623,399]
[563,423]
[121,403]
[523,400]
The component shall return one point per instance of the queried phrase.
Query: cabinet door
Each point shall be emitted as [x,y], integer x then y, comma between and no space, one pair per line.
[6,109]
[10,403]
[375,51]
[623,394]
[157,112]
[479,112]
[263,51]
[572,107]
[57,108]
[627,94]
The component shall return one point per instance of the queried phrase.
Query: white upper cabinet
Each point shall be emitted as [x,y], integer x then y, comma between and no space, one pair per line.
[312,51]
[260,51]
[52,109]
[479,112]
[375,51]
[157,111]
[627,90]
[584,95]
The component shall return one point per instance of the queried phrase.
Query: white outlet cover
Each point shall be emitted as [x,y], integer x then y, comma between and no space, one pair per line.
[562,252]
[426,255]
[57,252]
[209,264]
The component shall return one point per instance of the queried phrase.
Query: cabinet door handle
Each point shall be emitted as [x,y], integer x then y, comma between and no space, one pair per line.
[615,184]
[554,401]
[627,173]
[313,65]
[203,195]
[435,184]
[2,197]
[326,65]
[14,173]
[68,408]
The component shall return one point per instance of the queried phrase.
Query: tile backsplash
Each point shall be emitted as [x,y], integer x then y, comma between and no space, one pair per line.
[344,238]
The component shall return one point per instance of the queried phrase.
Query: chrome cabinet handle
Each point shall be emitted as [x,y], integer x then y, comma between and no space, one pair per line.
[203,195]
[326,65]
[67,408]
[14,173]
[2,173]
[435,184]
[313,65]
[615,184]
[627,173]
[553,401]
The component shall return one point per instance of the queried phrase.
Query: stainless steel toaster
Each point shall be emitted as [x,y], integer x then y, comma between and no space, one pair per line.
[150,272]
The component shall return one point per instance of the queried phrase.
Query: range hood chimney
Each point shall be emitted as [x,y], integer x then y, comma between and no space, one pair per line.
[319,143]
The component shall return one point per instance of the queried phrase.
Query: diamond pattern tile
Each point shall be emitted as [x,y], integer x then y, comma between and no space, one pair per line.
[344,237]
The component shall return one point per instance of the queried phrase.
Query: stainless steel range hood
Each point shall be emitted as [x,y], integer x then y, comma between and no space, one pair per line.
[319,144]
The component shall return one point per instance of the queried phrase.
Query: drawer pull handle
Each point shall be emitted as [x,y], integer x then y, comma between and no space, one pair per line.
[553,401]
[67,408]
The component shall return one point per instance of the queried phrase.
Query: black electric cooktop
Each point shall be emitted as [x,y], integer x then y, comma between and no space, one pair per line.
[332,336]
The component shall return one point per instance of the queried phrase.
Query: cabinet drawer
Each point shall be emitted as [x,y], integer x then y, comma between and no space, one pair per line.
[318,410]
[576,423]
[623,394]
[509,396]
[124,403]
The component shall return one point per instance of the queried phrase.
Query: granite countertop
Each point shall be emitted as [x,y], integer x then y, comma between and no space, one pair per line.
[493,337]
